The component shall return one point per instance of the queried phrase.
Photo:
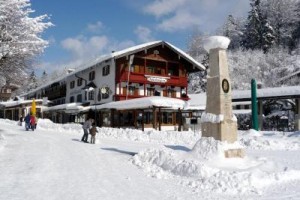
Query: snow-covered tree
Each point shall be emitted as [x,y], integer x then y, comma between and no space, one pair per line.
[197,81]
[295,43]
[232,29]
[44,79]
[20,38]
[258,34]
[32,82]
[282,17]
[272,69]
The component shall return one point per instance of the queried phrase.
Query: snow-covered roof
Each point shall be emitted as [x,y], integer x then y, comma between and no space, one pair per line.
[282,92]
[121,53]
[145,102]
[8,104]
[68,107]
[198,101]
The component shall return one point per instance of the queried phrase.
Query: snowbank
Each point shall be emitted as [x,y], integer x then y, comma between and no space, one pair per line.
[2,141]
[205,169]
[161,137]
[269,140]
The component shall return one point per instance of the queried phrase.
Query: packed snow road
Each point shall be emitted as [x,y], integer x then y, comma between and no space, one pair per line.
[52,163]
[42,164]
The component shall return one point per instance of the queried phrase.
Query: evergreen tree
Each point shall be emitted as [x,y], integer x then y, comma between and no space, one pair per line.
[295,42]
[32,82]
[233,30]
[258,34]
[283,17]
[44,78]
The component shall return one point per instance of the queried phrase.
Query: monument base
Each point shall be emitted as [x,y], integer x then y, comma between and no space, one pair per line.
[223,131]
[234,153]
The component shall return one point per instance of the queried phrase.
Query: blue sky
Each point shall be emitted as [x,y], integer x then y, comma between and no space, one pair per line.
[85,28]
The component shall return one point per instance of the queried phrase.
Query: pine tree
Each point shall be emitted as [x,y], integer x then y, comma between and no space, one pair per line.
[283,17]
[258,34]
[233,30]
[32,82]
[295,42]
[268,38]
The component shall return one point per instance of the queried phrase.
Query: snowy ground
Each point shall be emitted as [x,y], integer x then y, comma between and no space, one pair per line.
[52,163]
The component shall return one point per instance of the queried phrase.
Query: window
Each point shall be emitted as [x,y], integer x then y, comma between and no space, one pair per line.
[148,117]
[79,98]
[79,82]
[105,70]
[92,75]
[91,95]
[173,69]
[131,90]
[72,84]
[150,92]
[167,118]
[171,93]
[150,69]
[71,99]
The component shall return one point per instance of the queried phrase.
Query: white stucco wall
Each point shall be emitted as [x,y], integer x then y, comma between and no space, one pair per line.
[100,81]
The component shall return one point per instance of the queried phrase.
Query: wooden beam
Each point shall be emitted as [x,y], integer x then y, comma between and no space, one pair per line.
[180,119]
[159,119]
[154,117]
[143,126]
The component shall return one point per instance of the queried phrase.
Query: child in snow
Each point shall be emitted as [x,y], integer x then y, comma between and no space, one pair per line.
[32,122]
[93,132]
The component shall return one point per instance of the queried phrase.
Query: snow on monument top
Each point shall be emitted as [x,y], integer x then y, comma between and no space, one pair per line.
[215,42]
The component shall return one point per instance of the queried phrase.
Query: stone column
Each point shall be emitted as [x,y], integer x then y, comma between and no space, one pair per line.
[218,120]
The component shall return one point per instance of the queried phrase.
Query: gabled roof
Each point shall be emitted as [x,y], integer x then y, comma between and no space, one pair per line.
[121,53]
[148,45]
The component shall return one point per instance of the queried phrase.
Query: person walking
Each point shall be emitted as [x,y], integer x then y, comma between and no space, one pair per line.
[86,127]
[93,132]
[21,120]
[27,122]
[32,122]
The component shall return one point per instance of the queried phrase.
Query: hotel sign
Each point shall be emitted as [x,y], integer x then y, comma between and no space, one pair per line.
[157,79]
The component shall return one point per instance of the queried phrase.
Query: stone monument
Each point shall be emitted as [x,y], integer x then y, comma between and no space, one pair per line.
[218,120]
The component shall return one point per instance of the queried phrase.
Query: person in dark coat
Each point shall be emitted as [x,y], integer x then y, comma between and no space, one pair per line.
[27,122]
[21,120]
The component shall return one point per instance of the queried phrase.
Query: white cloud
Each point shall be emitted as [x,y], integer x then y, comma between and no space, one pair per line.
[85,47]
[183,14]
[95,28]
[180,21]
[163,7]
[143,33]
